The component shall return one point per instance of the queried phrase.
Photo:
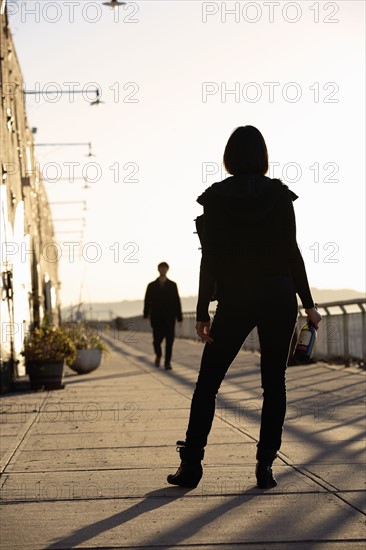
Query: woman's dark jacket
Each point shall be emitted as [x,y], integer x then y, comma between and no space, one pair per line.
[248,232]
[162,303]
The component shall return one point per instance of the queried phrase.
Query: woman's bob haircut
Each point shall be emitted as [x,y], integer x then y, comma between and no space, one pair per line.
[246,152]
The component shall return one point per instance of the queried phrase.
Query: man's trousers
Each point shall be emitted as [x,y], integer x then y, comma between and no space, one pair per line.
[164,329]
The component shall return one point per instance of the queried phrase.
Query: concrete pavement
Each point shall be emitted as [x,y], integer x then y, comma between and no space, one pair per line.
[86,467]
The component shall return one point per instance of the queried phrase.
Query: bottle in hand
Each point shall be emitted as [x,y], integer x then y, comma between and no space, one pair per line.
[305,343]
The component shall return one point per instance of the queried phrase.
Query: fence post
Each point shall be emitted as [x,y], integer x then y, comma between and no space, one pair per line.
[363,316]
[345,332]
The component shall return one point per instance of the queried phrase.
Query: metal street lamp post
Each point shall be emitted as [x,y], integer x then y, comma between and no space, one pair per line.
[96,101]
[90,154]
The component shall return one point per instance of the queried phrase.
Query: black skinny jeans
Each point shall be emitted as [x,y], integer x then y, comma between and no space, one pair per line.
[270,304]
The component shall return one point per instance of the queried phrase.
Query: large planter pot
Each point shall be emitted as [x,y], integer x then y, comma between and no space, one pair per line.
[86,360]
[45,374]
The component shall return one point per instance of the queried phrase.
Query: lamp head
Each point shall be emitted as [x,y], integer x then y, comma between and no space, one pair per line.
[114,4]
[97,101]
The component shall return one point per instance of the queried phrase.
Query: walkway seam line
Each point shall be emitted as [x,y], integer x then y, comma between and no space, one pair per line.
[19,438]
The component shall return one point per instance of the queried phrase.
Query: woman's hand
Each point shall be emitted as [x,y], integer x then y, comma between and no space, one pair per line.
[203,331]
[314,316]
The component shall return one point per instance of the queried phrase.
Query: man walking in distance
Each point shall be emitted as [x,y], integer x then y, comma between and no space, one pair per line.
[162,306]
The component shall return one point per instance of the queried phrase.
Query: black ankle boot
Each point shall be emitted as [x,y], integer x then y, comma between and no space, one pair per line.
[190,470]
[263,473]
[263,470]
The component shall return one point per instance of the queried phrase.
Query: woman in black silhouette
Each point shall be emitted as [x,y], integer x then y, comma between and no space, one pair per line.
[252,265]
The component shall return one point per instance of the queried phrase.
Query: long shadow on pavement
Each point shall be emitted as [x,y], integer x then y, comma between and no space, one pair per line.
[153,500]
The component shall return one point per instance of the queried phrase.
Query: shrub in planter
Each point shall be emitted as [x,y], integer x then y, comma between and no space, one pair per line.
[45,351]
[89,346]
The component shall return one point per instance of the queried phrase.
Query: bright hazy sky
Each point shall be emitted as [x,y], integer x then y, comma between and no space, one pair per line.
[166,69]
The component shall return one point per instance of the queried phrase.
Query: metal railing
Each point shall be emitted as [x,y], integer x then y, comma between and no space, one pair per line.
[341,335]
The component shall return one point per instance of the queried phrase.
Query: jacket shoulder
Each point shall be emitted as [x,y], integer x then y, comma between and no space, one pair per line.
[283,189]
[215,188]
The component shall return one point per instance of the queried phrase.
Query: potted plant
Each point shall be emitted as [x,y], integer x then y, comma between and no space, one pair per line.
[89,347]
[46,350]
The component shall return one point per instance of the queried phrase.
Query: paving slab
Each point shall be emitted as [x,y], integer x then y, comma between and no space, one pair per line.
[156,434]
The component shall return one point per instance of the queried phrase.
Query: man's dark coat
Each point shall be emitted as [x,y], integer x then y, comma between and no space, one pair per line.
[162,303]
